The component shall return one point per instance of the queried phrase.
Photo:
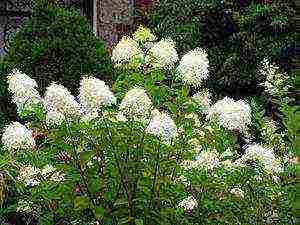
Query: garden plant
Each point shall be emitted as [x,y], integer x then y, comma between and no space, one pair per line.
[158,146]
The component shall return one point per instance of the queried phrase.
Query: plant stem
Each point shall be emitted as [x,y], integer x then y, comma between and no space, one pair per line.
[155,178]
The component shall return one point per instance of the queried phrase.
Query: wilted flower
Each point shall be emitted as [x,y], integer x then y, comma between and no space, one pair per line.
[29,175]
[203,99]
[162,55]
[93,93]
[233,115]
[193,67]
[59,99]
[276,82]
[136,104]
[265,156]
[127,51]
[237,192]
[162,125]
[17,136]
[188,204]
[143,35]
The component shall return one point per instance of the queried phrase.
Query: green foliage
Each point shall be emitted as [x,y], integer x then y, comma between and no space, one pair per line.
[57,45]
[237,36]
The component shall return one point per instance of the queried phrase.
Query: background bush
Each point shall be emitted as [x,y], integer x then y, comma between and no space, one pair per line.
[57,45]
[236,34]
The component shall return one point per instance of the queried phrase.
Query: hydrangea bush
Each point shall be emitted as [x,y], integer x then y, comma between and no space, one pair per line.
[157,148]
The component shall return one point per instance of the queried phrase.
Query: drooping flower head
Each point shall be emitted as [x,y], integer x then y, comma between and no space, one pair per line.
[162,55]
[94,93]
[136,104]
[203,99]
[59,99]
[233,115]
[193,67]
[162,125]
[17,136]
[143,35]
[126,52]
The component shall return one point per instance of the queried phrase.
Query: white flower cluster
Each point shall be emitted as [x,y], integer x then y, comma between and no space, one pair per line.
[59,104]
[136,104]
[23,89]
[263,155]
[276,82]
[162,125]
[93,94]
[143,35]
[206,160]
[269,128]
[188,204]
[17,136]
[31,176]
[203,99]
[127,51]
[233,115]
[162,55]
[193,67]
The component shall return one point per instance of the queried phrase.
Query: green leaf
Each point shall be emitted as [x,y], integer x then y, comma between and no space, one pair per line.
[81,202]
[99,211]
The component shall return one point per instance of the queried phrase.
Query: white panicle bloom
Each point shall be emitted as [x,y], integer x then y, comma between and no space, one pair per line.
[276,82]
[58,98]
[143,35]
[162,55]
[269,128]
[58,177]
[264,155]
[203,99]
[47,170]
[207,160]
[17,136]
[136,104]
[233,115]
[18,81]
[94,93]
[193,67]
[162,125]
[237,192]
[188,204]
[29,175]
[127,52]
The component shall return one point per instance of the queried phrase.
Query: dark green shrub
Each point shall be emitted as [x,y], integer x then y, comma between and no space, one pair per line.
[236,34]
[57,45]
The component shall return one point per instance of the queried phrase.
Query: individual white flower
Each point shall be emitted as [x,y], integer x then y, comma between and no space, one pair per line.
[94,93]
[188,204]
[136,104]
[18,81]
[58,177]
[127,51]
[47,170]
[162,125]
[203,99]
[233,115]
[264,155]
[57,98]
[207,160]
[29,175]
[162,55]
[143,35]
[193,67]
[237,192]
[276,82]
[17,136]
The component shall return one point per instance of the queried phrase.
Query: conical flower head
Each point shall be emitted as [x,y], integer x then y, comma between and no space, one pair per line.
[127,52]
[136,104]
[193,67]
[17,136]
[162,125]
[58,98]
[94,93]
[17,81]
